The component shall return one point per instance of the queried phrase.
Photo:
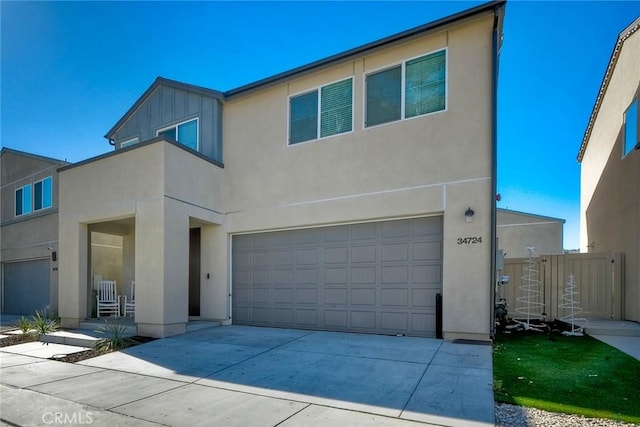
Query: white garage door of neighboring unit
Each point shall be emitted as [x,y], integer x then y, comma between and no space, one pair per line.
[26,286]
[379,277]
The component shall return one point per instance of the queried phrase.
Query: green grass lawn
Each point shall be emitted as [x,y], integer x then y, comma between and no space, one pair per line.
[576,375]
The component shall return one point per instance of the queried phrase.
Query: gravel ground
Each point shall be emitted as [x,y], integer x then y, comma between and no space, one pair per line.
[518,416]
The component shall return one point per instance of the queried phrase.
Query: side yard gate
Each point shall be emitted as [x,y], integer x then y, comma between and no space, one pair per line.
[599,279]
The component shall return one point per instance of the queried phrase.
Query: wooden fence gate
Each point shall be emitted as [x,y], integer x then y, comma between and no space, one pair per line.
[599,284]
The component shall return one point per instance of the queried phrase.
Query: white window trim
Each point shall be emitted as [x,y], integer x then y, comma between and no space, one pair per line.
[197,120]
[34,193]
[319,124]
[30,201]
[129,142]
[403,65]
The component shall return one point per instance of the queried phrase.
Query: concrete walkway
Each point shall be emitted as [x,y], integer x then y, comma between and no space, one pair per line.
[245,376]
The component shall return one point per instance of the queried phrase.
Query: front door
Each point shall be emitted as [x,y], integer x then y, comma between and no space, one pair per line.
[194,272]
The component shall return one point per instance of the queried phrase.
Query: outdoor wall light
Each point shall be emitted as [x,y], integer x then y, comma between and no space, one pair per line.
[468,215]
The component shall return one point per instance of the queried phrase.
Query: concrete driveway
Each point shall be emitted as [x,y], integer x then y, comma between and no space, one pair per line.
[248,376]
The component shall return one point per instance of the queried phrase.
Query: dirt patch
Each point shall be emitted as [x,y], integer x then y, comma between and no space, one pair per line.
[15,339]
[74,357]
[88,354]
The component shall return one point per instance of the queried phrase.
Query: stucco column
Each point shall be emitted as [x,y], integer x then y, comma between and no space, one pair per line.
[467,269]
[162,267]
[73,241]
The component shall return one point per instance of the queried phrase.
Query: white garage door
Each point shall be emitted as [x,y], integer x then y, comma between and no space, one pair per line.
[380,277]
[26,286]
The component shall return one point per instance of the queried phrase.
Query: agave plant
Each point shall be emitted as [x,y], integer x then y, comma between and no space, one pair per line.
[42,323]
[115,338]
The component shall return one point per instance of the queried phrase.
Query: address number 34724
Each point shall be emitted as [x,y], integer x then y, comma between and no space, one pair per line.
[469,240]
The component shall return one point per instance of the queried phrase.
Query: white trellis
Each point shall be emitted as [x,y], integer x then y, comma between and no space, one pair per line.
[571,306]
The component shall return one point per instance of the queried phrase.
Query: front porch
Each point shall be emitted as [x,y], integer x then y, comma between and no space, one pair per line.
[145,215]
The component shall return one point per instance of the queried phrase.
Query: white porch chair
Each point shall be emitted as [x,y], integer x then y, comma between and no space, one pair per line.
[107,298]
[130,303]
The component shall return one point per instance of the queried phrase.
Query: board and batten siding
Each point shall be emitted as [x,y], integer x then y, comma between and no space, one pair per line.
[168,106]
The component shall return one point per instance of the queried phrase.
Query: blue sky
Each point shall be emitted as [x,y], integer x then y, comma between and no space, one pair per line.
[70,70]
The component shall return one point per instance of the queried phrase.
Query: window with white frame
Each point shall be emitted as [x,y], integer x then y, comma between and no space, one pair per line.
[631,137]
[23,200]
[413,88]
[128,142]
[185,133]
[323,112]
[43,194]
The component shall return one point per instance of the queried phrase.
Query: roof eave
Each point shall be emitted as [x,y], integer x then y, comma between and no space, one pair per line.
[161,81]
[431,26]
[624,35]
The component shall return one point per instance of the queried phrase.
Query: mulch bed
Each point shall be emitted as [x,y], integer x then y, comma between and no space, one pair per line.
[74,357]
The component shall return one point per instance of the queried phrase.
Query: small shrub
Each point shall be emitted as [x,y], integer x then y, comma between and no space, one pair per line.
[24,324]
[43,323]
[116,339]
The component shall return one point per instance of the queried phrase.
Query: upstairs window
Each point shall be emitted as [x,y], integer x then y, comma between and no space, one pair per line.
[631,139]
[321,113]
[43,194]
[23,200]
[185,133]
[413,88]
[130,141]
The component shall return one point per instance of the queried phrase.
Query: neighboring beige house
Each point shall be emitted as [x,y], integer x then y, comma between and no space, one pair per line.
[331,197]
[518,231]
[610,167]
[28,231]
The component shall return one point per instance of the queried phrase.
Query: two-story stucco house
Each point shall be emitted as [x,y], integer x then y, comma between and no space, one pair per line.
[610,166]
[343,195]
[28,231]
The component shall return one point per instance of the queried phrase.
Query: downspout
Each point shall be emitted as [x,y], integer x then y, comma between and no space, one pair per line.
[494,166]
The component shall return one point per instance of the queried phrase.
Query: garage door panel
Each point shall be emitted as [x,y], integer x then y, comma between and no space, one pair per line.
[423,323]
[260,295]
[363,275]
[364,254]
[337,234]
[394,321]
[397,297]
[336,296]
[363,320]
[336,276]
[427,251]
[395,252]
[284,316]
[424,297]
[363,296]
[337,255]
[306,317]
[284,277]
[307,296]
[283,258]
[363,231]
[284,296]
[372,277]
[306,276]
[395,229]
[336,319]
[423,274]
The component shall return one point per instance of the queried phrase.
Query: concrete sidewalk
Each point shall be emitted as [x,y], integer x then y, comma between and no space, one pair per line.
[246,376]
